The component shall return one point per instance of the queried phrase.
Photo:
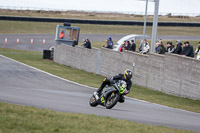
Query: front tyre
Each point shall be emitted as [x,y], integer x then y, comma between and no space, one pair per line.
[112,100]
[93,101]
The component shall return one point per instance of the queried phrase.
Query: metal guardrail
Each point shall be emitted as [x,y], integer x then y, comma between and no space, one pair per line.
[103,22]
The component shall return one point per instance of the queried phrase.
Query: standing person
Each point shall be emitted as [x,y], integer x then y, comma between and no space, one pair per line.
[189,49]
[178,49]
[84,41]
[141,45]
[128,46]
[160,47]
[107,44]
[110,42]
[133,46]
[144,47]
[157,47]
[62,34]
[122,47]
[197,51]
[184,49]
[87,44]
[170,47]
[74,43]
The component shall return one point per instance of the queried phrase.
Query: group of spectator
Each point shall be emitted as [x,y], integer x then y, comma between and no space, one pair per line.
[128,45]
[185,49]
[109,43]
[131,46]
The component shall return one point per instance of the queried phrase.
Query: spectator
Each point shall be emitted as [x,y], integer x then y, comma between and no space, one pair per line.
[178,49]
[127,46]
[87,44]
[133,46]
[189,50]
[122,46]
[144,47]
[62,34]
[184,49]
[84,41]
[110,43]
[107,44]
[157,47]
[160,47]
[141,45]
[74,43]
[197,51]
[170,47]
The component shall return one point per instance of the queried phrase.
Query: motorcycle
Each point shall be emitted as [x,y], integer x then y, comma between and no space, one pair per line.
[110,95]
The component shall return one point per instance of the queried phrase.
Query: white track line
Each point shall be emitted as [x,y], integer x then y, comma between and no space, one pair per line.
[89,86]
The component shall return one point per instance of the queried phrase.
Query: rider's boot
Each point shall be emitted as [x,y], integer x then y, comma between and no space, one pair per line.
[99,90]
[96,95]
[122,99]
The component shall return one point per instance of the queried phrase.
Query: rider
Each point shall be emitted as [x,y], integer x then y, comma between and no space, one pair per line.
[125,77]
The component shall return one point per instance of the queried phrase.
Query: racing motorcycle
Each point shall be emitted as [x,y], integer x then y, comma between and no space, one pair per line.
[110,95]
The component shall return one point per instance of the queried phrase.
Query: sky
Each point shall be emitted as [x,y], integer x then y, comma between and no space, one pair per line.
[125,6]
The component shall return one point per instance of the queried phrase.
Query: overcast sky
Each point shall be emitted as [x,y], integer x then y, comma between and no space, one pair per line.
[130,6]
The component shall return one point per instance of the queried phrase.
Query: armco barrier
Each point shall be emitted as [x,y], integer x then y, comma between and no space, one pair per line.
[171,74]
[103,22]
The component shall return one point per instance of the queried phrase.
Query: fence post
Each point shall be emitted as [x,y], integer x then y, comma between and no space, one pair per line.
[98,61]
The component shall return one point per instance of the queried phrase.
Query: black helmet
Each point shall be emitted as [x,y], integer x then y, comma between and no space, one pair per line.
[127,74]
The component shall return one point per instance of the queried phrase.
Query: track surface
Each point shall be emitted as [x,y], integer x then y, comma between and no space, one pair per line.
[20,84]
[24,40]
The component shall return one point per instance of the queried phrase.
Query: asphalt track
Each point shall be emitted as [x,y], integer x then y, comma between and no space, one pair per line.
[24,85]
[25,39]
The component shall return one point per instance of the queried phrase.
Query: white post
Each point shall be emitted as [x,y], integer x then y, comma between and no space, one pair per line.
[155,25]
[145,22]
[145,19]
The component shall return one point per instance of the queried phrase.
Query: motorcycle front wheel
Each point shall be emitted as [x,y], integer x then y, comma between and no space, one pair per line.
[112,100]
[93,101]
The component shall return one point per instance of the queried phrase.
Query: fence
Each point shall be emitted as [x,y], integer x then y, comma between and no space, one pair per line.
[171,74]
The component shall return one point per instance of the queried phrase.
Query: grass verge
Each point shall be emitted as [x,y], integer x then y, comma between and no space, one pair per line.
[94,15]
[10,27]
[22,119]
[35,59]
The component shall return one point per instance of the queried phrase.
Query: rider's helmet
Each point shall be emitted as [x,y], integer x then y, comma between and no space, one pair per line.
[127,74]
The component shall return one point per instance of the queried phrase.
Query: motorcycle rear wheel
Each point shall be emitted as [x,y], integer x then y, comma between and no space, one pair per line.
[93,101]
[112,100]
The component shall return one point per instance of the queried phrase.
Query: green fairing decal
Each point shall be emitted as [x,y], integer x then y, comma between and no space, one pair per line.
[122,90]
[102,100]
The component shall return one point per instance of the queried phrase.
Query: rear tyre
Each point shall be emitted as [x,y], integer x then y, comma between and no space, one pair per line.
[93,101]
[112,100]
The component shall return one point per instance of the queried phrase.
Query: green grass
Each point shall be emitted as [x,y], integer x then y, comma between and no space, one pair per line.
[35,59]
[23,119]
[10,27]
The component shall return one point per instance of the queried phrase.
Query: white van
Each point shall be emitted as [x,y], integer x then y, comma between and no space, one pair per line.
[128,38]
